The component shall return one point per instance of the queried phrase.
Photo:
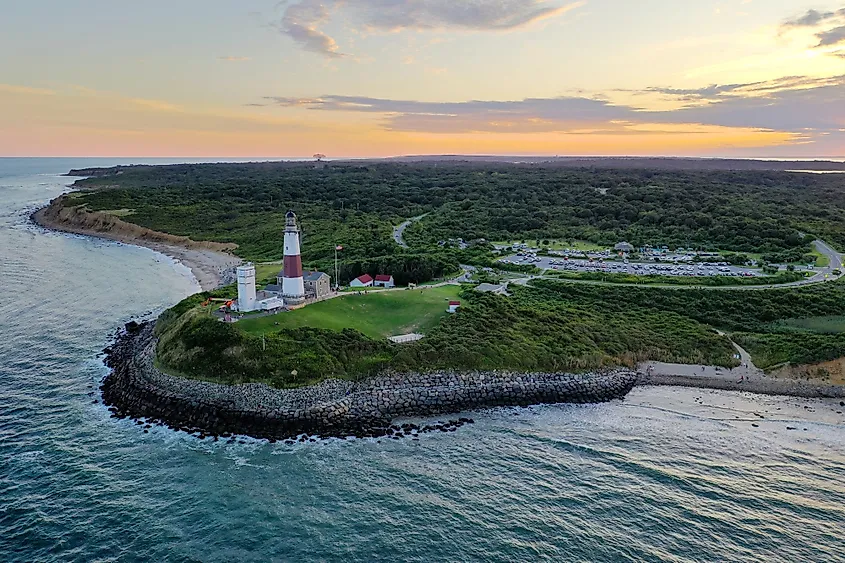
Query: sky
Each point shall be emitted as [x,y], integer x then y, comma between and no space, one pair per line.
[373,78]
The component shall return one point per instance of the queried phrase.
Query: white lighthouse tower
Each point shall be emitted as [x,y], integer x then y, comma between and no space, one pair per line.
[246,288]
[293,286]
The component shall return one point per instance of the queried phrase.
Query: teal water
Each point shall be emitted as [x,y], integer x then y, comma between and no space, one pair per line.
[668,475]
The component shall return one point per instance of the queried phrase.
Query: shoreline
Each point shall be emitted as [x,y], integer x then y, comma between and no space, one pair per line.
[210,265]
[759,386]
[136,389]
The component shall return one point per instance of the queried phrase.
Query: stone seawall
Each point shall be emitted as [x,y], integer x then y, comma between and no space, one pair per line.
[135,388]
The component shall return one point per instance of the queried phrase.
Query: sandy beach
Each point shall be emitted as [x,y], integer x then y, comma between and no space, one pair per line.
[745,377]
[210,265]
[211,268]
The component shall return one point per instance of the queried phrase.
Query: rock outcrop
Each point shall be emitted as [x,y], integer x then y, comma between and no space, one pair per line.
[136,389]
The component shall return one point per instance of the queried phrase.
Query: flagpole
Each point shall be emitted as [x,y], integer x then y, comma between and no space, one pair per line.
[336,281]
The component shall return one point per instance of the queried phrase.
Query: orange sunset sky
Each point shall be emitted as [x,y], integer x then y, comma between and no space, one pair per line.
[356,78]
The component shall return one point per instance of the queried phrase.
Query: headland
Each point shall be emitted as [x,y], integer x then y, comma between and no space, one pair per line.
[137,389]
[333,408]
[289,352]
[212,264]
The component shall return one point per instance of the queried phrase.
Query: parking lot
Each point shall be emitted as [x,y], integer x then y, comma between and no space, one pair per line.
[560,263]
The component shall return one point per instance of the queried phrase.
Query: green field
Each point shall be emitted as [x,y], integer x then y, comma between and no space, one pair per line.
[822,260]
[119,212]
[820,325]
[266,271]
[377,314]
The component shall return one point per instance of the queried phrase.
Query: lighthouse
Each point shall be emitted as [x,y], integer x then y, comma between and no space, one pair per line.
[246,288]
[293,285]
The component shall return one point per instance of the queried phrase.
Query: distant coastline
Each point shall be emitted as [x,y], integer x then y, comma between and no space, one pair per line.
[209,262]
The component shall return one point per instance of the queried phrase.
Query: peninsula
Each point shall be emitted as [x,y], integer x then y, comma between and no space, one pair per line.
[408,289]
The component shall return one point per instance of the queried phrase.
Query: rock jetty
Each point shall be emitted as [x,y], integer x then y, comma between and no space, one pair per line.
[137,389]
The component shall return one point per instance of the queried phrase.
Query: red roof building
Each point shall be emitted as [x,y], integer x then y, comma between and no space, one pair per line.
[362,281]
[384,280]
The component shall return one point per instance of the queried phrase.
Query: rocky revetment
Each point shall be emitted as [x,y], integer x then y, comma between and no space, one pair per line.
[136,388]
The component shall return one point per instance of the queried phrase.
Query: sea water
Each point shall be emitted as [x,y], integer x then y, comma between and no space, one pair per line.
[666,475]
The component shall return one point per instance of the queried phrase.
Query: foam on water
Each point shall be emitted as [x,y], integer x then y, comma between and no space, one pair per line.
[670,474]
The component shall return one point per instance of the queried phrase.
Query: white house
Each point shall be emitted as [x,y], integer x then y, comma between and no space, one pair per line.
[384,281]
[453,306]
[362,281]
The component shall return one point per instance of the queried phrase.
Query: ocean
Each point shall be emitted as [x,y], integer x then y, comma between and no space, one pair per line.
[666,475]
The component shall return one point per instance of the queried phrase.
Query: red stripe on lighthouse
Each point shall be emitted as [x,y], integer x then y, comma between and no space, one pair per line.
[293,266]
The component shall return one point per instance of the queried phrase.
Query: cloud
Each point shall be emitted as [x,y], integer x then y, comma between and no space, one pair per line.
[829,27]
[812,18]
[833,36]
[157,105]
[15,89]
[804,106]
[520,116]
[232,59]
[303,20]
[719,92]
[801,108]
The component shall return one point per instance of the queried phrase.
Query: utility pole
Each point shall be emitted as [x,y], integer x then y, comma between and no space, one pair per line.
[336,274]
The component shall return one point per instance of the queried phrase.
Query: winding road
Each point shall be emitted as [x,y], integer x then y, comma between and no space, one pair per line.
[400,229]
[821,275]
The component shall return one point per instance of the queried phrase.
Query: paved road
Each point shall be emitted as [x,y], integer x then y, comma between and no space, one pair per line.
[835,257]
[400,229]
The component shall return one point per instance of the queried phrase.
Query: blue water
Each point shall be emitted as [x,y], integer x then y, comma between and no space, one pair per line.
[668,475]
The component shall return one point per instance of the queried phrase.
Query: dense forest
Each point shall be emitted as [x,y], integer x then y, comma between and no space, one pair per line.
[356,205]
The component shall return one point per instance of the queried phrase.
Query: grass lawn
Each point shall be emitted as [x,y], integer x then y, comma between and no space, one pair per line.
[265,271]
[377,314]
[822,325]
[822,260]
[120,212]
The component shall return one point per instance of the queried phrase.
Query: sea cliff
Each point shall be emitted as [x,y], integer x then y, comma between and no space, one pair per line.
[62,215]
[211,262]
[136,388]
